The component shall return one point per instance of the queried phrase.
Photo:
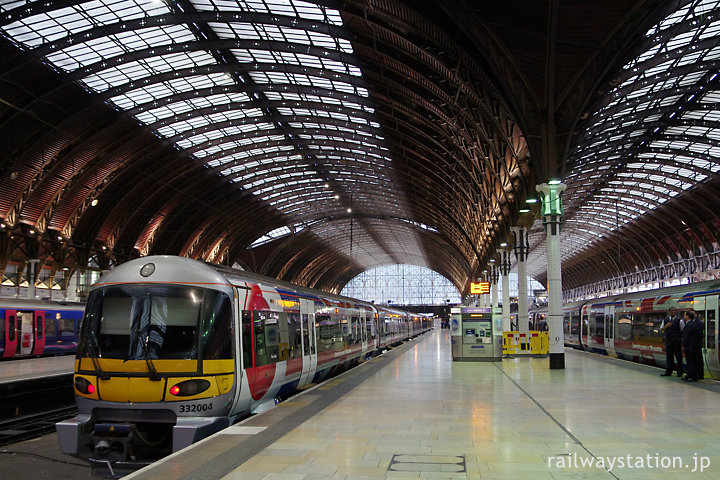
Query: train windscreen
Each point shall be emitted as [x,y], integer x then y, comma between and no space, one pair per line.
[148,322]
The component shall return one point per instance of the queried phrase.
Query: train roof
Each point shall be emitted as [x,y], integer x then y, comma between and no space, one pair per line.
[691,289]
[25,303]
[175,269]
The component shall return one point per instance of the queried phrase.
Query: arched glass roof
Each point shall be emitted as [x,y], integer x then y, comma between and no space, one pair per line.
[654,137]
[266,93]
[397,132]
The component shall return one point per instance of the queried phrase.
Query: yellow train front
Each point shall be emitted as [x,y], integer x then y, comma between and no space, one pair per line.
[155,369]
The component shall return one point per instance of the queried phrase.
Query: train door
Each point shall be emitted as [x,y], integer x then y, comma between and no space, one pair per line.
[309,344]
[610,330]
[584,333]
[11,339]
[362,319]
[39,333]
[25,333]
[707,308]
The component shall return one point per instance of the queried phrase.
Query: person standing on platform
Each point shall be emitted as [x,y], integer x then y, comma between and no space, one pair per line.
[692,336]
[672,329]
[542,325]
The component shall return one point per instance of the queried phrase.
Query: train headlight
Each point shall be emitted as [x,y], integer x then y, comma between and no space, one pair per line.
[189,388]
[84,386]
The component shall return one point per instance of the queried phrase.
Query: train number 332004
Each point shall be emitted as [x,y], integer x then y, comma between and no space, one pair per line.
[196,407]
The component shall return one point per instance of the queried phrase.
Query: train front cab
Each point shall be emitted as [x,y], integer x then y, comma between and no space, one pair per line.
[155,372]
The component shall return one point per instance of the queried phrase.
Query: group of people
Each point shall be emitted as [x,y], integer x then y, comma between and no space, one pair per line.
[686,334]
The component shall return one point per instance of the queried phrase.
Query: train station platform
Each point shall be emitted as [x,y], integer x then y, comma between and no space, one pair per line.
[12,371]
[414,413]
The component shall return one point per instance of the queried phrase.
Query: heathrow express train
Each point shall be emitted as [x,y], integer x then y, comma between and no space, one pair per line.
[38,327]
[173,350]
[627,326]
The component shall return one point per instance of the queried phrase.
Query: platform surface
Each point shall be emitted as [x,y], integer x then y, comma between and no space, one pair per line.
[35,368]
[414,413]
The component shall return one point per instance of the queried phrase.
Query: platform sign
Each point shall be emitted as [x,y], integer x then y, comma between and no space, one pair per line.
[479,288]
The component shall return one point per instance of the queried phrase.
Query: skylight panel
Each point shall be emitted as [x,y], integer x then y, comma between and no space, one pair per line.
[172,87]
[669,100]
[690,79]
[201,121]
[98,49]
[639,92]
[689,58]
[711,97]
[681,40]
[136,70]
[10,4]
[272,235]
[183,106]
[712,54]
[42,28]
[228,132]
[246,31]
[247,153]
[674,18]
[707,115]
[294,8]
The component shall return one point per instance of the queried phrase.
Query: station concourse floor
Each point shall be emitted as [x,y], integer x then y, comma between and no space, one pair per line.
[414,413]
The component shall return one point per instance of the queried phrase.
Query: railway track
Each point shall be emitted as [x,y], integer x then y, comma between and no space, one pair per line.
[34,425]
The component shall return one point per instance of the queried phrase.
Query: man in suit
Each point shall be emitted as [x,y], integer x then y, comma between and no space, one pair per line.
[692,340]
[672,328]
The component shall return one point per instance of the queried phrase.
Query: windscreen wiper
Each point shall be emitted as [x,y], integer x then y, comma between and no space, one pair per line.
[94,354]
[154,376]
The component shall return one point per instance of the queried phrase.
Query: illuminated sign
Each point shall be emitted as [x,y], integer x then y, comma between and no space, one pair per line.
[287,303]
[479,288]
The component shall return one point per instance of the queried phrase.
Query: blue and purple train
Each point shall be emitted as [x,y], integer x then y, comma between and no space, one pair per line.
[38,327]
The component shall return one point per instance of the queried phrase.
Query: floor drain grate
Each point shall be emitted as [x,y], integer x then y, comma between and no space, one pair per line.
[427,463]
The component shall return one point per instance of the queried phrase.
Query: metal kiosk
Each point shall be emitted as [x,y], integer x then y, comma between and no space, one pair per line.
[476,334]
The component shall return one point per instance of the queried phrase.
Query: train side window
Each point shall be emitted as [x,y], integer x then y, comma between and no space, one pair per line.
[329,332]
[644,326]
[266,337]
[356,335]
[370,326]
[574,324]
[283,337]
[11,328]
[306,333]
[38,326]
[67,327]
[638,326]
[293,321]
[595,324]
[218,339]
[625,327]
[2,329]
[346,323]
[50,326]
